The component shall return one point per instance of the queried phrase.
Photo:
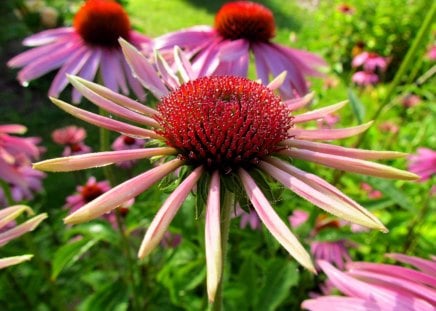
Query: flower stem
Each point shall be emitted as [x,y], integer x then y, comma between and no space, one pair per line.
[226,210]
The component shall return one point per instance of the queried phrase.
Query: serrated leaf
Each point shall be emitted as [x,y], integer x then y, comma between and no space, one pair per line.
[68,254]
[281,275]
[114,296]
[356,105]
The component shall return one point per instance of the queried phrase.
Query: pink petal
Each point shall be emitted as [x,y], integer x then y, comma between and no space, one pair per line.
[13,129]
[121,193]
[297,103]
[47,36]
[88,72]
[104,122]
[350,164]
[166,72]
[108,69]
[134,84]
[338,303]
[213,237]
[343,151]
[183,65]
[426,266]
[318,113]
[10,261]
[21,229]
[166,213]
[98,159]
[328,134]
[273,222]
[184,38]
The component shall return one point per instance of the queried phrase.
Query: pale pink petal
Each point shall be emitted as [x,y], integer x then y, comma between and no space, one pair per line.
[207,61]
[10,261]
[273,222]
[318,113]
[143,71]
[108,69]
[166,213]
[338,303]
[297,103]
[13,129]
[116,98]
[213,237]
[232,50]
[183,65]
[189,37]
[277,81]
[121,76]
[109,105]
[134,84]
[104,122]
[426,266]
[21,229]
[343,151]
[350,164]
[88,72]
[47,36]
[319,193]
[72,66]
[121,193]
[328,134]
[166,72]
[10,213]
[98,159]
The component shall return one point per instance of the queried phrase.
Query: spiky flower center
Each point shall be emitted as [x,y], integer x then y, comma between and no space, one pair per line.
[90,192]
[245,20]
[102,22]
[223,122]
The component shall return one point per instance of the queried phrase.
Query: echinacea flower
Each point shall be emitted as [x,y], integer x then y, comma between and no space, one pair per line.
[386,287]
[9,232]
[370,61]
[242,27]
[221,128]
[335,252]
[297,218]
[72,137]
[124,142]
[364,78]
[423,163]
[91,44]
[249,218]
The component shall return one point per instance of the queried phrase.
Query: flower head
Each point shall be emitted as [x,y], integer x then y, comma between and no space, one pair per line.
[91,44]
[73,138]
[9,230]
[370,62]
[242,27]
[219,128]
[372,286]
[423,163]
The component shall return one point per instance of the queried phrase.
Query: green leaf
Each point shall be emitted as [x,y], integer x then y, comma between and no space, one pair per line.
[388,189]
[68,254]
[281,275]
[114,296]
[357,106]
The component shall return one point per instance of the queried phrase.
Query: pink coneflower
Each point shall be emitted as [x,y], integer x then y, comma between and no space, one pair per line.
[9,230]
[220,128]
[72,137]
[86,193]
[371,286]
[370,61]
[423,163]
[124,142]
[364,78]
[249,219]
[242,27]
[335,252]
[89,45]
[298,218]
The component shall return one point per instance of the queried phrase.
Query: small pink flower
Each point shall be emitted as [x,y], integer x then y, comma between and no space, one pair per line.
[124,142]
[389,126]
[423,163]
[370,191]
[73,138]
[298,218]
[335,252]
[410,100]
[364,78]
[370,61]
[431,53]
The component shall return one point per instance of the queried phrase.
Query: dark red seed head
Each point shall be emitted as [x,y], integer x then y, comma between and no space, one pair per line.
[245,20]
[223,122]
[102,22]
[90,192]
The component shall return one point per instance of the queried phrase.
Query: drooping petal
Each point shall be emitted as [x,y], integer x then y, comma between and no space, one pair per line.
[183,65]
[166,213]
[328,134]
[350,164]
[318,113]
[122,193]
[115,97]
[110,106]
[88,72]
[426,266]
[108,68]
[104,122]
[19,230]
[339,303]
[166,72]
[98,159]
[343,151]
[297,103]
[273,222]
[321,194]
[144,71]
[213,237]
[189,37]
[49,35]
[15,260]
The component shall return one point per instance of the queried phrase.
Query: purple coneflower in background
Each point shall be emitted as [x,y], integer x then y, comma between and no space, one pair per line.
[335,252]
[248,218]
[372,64]
[16,156]
[9,232]
[89,45]
[423,163]
[219,127]
[382,287]
[124,142]
[242,27]
[72,137]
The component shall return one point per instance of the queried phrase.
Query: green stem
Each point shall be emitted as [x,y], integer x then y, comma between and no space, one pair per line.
[226,210]
[7,192]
